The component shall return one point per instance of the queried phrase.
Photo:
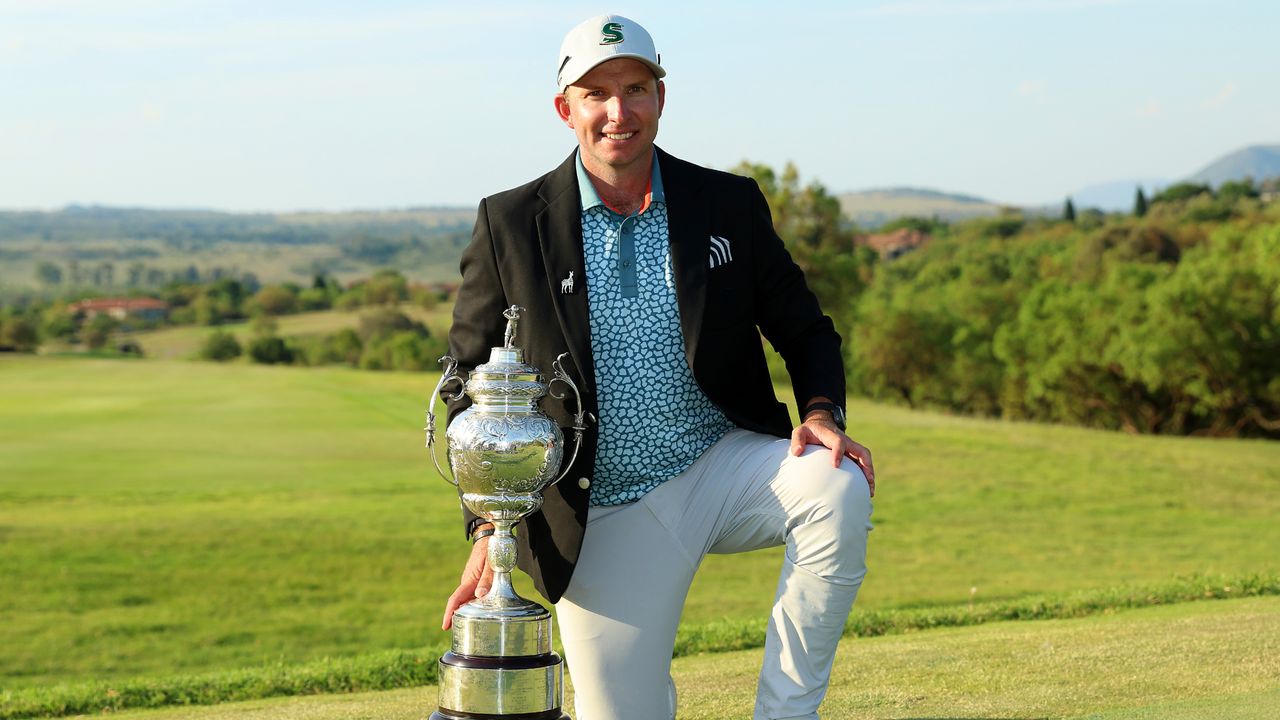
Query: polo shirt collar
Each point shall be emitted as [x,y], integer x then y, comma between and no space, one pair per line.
[590,198]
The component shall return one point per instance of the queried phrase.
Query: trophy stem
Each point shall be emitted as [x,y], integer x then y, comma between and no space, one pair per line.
[502,558]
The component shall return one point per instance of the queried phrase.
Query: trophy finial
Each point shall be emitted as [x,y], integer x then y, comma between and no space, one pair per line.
[512,314]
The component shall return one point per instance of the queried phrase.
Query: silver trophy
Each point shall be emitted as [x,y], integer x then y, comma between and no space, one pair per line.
[503,452]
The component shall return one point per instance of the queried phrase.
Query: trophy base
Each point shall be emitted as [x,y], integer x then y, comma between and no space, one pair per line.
[501,687]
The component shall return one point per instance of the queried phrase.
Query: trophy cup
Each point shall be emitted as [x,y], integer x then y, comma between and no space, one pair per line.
[503,453]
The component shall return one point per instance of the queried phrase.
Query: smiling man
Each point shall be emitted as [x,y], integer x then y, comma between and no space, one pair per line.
[658,277]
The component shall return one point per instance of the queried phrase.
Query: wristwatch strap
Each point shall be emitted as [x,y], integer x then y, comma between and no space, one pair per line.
[837,412]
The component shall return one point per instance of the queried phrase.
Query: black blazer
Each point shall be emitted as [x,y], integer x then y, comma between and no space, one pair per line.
[526,241]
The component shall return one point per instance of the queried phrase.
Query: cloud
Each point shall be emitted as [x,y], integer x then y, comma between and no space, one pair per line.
[940,8]
[1150,109]
[1221,97]
[1032,88]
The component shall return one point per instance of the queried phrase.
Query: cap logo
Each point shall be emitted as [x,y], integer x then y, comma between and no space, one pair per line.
[611,34]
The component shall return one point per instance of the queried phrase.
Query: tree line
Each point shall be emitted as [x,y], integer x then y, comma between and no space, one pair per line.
[386,337]
[1163,320]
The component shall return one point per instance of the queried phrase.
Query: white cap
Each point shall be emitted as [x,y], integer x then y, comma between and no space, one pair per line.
[604,37]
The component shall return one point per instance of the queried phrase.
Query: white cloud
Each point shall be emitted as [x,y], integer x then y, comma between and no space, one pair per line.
[1221,97]
[1032,88]
[1150,109]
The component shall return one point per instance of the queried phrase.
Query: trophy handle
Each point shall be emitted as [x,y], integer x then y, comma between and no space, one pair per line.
[449,374]
[579,419]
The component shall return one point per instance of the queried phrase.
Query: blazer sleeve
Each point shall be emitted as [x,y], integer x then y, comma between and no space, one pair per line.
[478,323]
[788,314]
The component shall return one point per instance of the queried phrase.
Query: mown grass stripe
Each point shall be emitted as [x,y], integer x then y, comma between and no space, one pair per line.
[396,669]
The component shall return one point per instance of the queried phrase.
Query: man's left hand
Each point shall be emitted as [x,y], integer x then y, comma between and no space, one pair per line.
[822,430]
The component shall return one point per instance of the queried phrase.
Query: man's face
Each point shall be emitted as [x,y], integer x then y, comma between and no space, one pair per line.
[614,111]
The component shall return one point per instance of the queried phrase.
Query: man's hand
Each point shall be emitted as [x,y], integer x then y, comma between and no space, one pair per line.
[819,429]
[477,579]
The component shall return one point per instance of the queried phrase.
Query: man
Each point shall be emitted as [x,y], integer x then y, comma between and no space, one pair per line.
[658,276]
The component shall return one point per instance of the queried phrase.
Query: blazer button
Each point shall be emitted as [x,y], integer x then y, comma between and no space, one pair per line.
[584,483]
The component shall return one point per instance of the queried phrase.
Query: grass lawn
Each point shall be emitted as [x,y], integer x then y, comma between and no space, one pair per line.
[184,342]
[164,517]
[1198,660]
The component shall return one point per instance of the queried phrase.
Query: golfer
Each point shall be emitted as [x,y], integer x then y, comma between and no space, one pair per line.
[659,277]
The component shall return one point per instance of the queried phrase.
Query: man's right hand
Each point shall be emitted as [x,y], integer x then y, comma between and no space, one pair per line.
[477,578]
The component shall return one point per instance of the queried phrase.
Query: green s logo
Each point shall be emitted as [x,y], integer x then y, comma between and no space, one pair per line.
[611,34]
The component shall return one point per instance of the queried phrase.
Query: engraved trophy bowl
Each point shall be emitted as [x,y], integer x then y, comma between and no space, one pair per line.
[502,453]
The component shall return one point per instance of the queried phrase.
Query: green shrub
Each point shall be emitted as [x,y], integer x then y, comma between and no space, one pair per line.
[270,350]
[220,346]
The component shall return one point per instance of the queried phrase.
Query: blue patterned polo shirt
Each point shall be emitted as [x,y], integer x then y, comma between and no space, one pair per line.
[654,419]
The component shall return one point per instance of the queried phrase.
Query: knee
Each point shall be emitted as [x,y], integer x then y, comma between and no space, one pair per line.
[830,539]
[842,498]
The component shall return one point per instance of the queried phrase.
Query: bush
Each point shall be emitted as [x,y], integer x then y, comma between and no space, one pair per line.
[382,322]
[220,346]
[18,335]
[270,350]
[276,300]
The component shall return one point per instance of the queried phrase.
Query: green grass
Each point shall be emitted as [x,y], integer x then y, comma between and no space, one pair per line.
[163,518]
[1200,660]
[407,668]
[184,342]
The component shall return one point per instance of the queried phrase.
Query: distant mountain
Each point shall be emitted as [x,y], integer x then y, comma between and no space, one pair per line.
[1256,161]
[872,208]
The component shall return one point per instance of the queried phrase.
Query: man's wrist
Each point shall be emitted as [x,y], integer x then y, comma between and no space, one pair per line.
[475,526]
[825,410]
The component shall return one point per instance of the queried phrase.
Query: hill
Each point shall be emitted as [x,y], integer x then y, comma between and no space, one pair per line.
[114,248]
[1256,161]
[872,208]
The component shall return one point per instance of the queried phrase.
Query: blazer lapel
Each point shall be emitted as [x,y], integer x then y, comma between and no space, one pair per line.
[560,235]
[689,226]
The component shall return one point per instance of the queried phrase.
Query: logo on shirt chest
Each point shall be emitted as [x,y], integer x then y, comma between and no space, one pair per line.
[721,252]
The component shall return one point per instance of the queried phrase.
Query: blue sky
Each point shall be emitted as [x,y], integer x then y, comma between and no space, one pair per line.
[340,105]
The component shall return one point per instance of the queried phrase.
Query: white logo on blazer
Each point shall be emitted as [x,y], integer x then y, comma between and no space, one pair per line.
[721,252]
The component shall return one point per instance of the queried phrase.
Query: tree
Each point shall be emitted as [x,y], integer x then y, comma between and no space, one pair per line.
[270,350]
[386,287]
[1139,203]
[48,273]
[276,300]
[97,331]
[1234,190]
[383,322]
[220,346]
[1069,211]
[18,334]
[1181,191]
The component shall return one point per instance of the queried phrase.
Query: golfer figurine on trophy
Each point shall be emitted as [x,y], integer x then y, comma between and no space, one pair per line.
[503,452]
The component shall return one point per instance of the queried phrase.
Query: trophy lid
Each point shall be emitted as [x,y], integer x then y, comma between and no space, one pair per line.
[506,376]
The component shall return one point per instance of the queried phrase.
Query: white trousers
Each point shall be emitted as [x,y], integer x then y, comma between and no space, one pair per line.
[618,616]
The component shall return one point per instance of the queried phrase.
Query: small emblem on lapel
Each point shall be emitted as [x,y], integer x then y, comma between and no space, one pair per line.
[566,285]
[721,252]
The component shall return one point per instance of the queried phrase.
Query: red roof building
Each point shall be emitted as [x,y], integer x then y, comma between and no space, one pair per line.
[121,308]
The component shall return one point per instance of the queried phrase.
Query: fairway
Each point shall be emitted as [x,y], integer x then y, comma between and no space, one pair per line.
[172,517]
[1182,662]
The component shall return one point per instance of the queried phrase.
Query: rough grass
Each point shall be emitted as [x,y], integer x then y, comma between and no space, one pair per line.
[163,518]
[1201,660]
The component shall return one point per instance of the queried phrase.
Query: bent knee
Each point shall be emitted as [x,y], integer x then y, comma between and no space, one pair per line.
[842,493]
